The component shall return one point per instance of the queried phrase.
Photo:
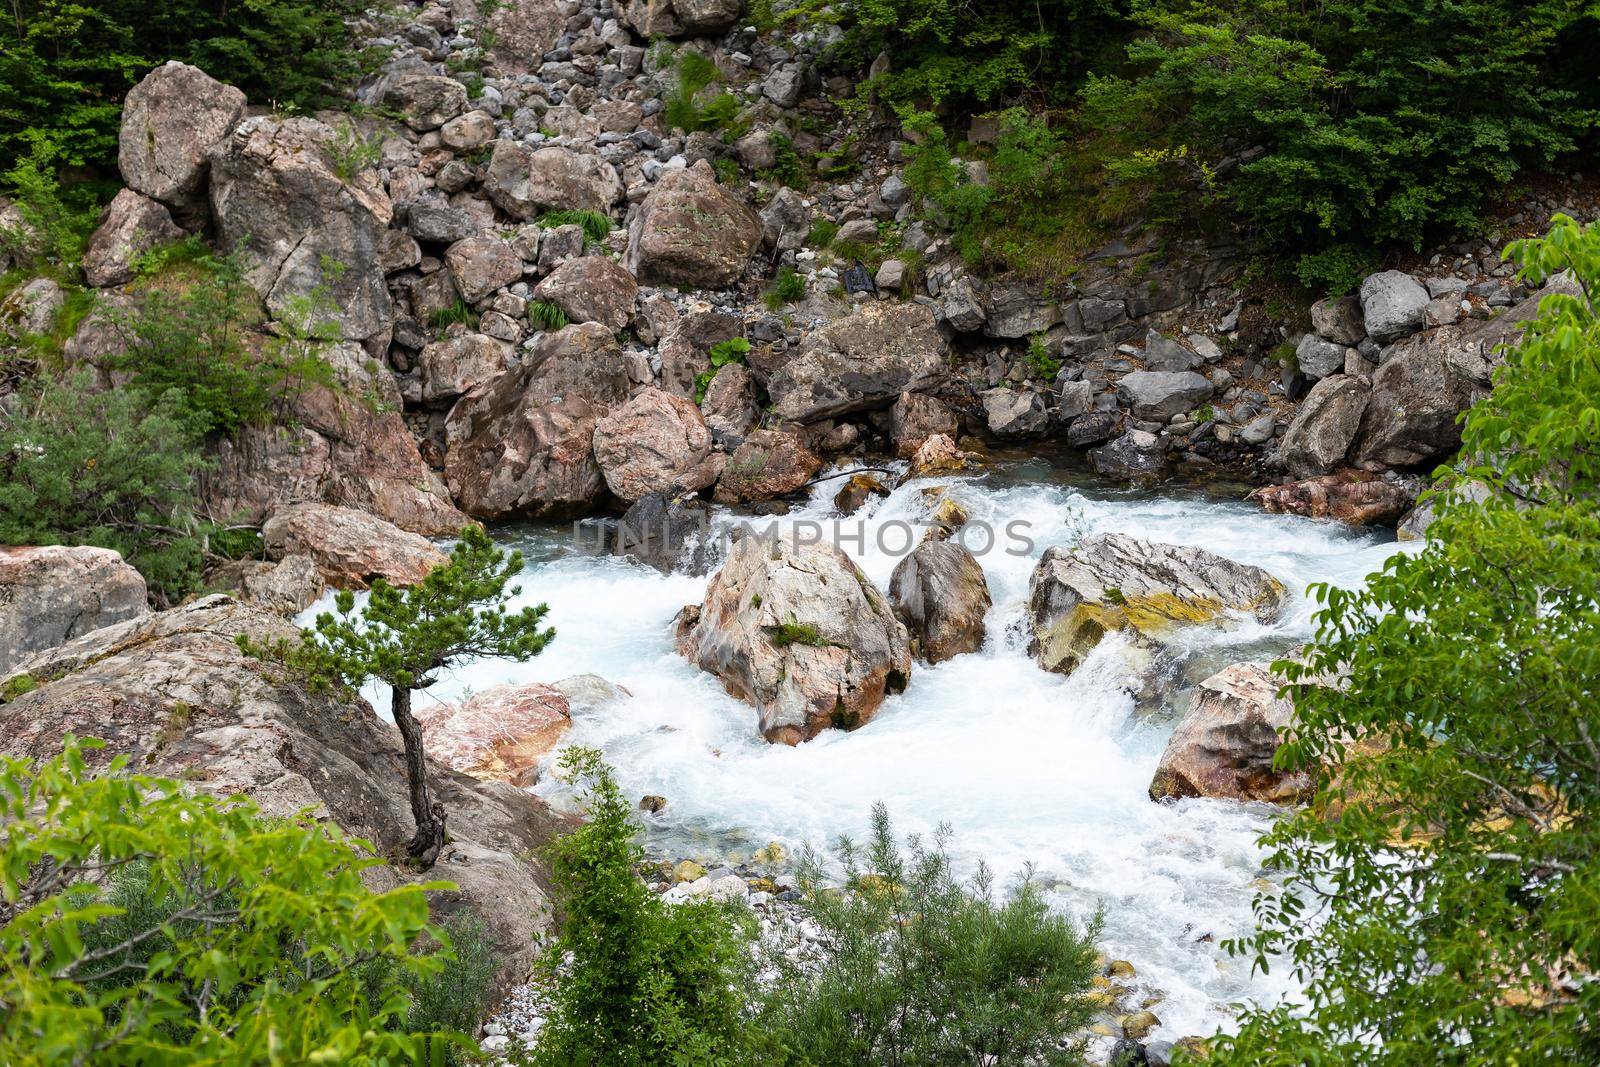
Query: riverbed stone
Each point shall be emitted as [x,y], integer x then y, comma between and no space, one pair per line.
[939,591]
[1159,395]
[500,734]
[1357,497]
[766,465]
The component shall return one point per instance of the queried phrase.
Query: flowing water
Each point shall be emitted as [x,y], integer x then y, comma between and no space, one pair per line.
[1028,768]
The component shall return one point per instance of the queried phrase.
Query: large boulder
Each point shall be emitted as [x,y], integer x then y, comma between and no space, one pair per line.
[1324,427]
[480,265]
[459,363]
[349,547]
[1411,416]
[1357,497]
[1136,456]
[591,289]
[174,692]
[171,121]
[938,590]
[1014,308]
[861,361]
[524,30]
[130,226]
[914,418]
[766,465]
[681,18]
[54,593]
[497,735]
[1159,395]
[425,101]
[524,182]
[799,632]
[1225,745]
[655,443]
[1338,319]
[523,443]
[1014,412]
[689,230]
[278,199]
[348,445]
[1393,304]
[1317,358]
[1113,582]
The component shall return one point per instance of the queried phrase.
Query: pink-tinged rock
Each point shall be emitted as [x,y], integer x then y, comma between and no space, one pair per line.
[1225,745]
[500,734]
[131,226]
[1357,497]
[350,548]
[170,122]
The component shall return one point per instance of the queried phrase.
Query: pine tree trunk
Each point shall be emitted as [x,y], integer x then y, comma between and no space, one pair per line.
[428,814]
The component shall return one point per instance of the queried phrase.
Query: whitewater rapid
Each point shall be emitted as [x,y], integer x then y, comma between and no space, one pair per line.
[1027,768]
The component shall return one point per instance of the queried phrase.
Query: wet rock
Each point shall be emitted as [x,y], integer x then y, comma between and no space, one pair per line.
[501,734]
[1093,427]
[864,360]
[666,532]
[525,182]
[278,199]
[691,231]
[1357,497]
[350,548]
[1014,412]
[855,493]
[1113,582]
[937,455]
[591,289]
[1225,744]
[1159,395]
[52,594]
[523,443]
[1136,456]
[175,694]
[941,595]
[799,632]
[171,121]
[130,226]
[1324,427]
[655,443]
[916,417]
[767,465]
[1393,305]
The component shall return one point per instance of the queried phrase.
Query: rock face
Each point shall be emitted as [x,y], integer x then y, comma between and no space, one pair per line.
[864,360]
[1113,582]
[350,547]
[940,593]
[1393,304]
[523,181]
[277,198]
[1359,498]
[175,693]
[350,447]
[523,443]
[691,231]
[681,18]
[170,122]
[131,225]
[498,735]
[52,594]
[799,632]
[655,443]
[768,464]
[1325,425]
[1224,746]
[1159,395]
[591,289]
[1416,396]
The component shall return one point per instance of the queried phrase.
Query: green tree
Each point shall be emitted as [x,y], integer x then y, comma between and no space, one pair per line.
[645,982]
[1442,890]
[914,967]
[114,468]
[140,924]
[405,638]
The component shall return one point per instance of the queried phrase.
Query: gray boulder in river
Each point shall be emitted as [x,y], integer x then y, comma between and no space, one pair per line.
[1114,582]
[940,593]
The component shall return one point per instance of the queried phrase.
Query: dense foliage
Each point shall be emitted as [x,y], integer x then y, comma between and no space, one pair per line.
[145,925]
[114,468]
[644,982]
[405,637]
[1442,891]
[65,65]
[915,967]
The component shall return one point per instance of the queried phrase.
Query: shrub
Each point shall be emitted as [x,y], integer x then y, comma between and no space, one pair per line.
[686,109]
[65,66]
[1454,892]
[145,924]
[113,468]
[456,998]
[733,350]
[56,222]
[596,224]
[1040,361]
[914,967]
[543,315]
[647,982]
[786,288]
[1368,121]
